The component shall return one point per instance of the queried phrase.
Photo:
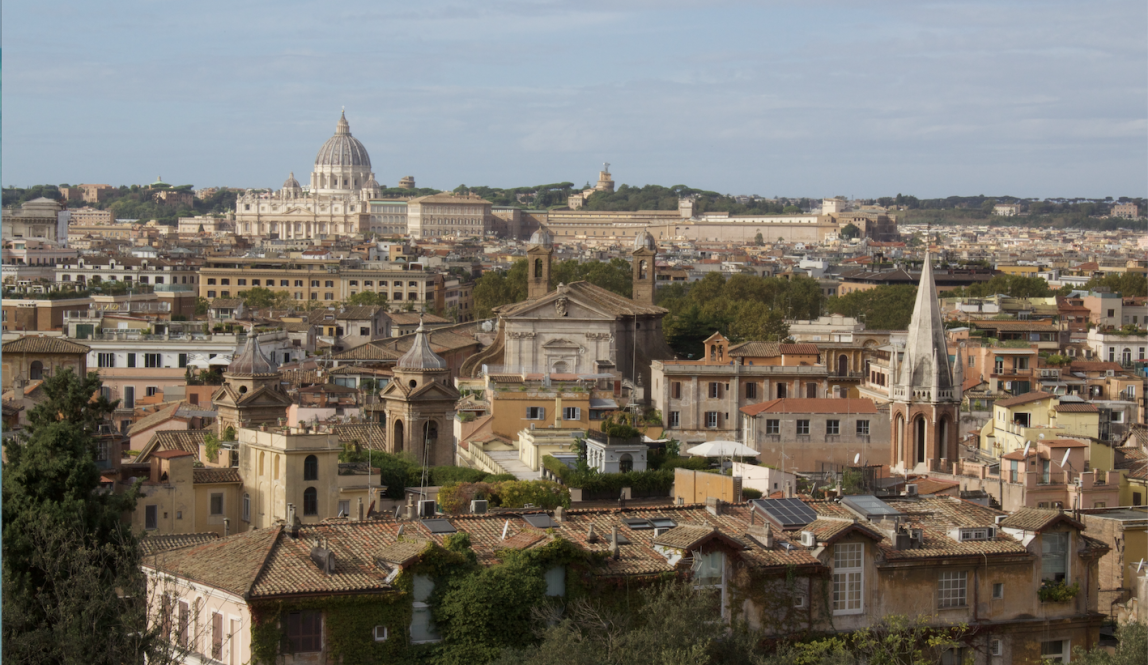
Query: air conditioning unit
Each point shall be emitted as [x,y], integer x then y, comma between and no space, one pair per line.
[426,508]
[808,539]
[478,506]
[911,489]
[1109,372]
[1079,481]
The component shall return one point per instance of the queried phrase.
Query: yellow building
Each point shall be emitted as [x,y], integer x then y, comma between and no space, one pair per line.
[178,498]
[1024,271]
[1035,416]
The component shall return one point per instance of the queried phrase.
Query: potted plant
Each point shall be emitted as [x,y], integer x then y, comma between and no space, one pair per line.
[1057,591]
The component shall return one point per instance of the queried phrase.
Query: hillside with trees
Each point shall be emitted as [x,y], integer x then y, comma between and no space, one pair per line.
[135,202]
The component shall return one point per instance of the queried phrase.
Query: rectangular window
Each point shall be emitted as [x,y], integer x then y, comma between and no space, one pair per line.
[211,294]
[216,635]
[715,390]
[751,391]
[571,413]
[131,360]
[1054,556]
[832,426]
[183,360]
[298,282]
[364,330]
[677,390]
[535,412]
[952,589]
[151,517]
[1054,651]
[675,419]
[773,427]
[354,282]
[998,590]
[314,282]
[711,419]
[328,296]
[381,633]
[151,390]
[217,503]
[153,360]
[225,282]
[105,360]
[803,427]
[211,281]
[241,282]
[863,428]
[330,284]
[556,581]
[345,508]
[848,576]
[304,630]
[129,397]
[225,294]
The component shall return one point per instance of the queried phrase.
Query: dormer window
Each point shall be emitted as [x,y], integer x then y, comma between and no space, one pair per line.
[1054,556]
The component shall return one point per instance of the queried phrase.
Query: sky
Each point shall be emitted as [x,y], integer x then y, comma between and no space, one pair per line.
[815,98]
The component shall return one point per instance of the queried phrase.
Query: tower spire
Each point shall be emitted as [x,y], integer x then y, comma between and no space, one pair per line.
[926,352]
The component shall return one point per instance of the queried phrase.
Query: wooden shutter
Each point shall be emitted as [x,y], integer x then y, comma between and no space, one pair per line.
[184,620]
[217,636]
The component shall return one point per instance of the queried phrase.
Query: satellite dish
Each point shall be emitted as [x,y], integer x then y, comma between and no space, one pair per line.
[1041,437]
[1026,445]
[857,458]
[1065,460]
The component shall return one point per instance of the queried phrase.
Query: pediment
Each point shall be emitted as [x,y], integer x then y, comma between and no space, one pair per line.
[547,307]
[561,343]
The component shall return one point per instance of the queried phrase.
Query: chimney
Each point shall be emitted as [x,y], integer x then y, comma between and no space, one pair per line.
[591,537]
[614,541]
[360,509]
[788,490]
[226,527]
[713,506]
[292,527]
[559,514]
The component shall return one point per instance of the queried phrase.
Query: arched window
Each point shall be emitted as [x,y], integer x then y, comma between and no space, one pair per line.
[626,463]
[311,468]
[537,268]
[262,459]
[275,467]
[36,370]
[310,501]
[398,439]
[919,432]
[642,267]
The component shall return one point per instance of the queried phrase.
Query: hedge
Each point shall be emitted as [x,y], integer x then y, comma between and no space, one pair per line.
[659,480]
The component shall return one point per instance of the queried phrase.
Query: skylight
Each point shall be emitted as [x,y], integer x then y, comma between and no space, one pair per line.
[870,507]
[439,526]
[539,521]
[638,524]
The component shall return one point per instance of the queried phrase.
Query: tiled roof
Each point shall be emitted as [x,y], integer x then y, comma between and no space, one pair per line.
[155,544]
[185,440]
[1076,407]
[402,552]
[597,297]
[367,435]
[928,486]
[412,319]
[166,413]
[232,564]
[369,351]
[40,344]
[812,405]
[212,474]
[799,349]
[1023,399]
[1065,443]
[755,350]
[1134,459]
[685,536]
[1087,366]
[1037,519]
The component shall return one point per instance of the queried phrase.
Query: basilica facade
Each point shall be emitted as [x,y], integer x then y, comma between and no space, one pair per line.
[337,203]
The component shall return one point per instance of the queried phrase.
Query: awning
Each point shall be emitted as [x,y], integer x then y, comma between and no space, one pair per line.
[198,362]
[722,449]
[602,403]
[220,361]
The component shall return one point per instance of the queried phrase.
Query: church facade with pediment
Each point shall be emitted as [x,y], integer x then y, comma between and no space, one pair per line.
[579,328]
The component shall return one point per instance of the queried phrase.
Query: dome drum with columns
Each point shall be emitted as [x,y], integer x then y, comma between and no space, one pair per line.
[336,202]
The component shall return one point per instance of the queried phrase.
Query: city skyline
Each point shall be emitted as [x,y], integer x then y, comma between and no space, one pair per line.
[1018,99]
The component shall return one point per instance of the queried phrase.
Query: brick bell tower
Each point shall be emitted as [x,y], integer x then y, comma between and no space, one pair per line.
[645,252]
[539,251]
[926,390]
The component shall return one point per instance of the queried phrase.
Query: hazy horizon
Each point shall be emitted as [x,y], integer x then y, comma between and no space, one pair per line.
[821,99]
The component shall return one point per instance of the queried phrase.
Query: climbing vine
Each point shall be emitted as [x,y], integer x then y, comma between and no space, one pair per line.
[349,626]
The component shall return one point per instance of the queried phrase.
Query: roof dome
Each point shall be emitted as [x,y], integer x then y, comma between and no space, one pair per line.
[541,237]
[372,183]
[291,182]
[420,355]
[645,241]
[252,360]
[342,149]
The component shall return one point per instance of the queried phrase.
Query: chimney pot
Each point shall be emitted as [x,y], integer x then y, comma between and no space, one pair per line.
[226,527]
[614,542]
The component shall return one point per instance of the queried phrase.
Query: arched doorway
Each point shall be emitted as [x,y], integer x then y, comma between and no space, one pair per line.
[919,439]
[842,365]
[626,463]
[36,370]
[397,437]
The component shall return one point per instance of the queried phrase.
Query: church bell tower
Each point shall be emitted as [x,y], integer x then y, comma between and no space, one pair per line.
[926,390]
[539,251]
[645,252]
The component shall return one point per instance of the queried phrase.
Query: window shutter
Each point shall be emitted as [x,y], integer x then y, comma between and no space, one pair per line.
[216,636]
[131,360]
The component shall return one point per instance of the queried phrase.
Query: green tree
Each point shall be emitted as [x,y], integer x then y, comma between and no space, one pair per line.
[758,239]
[262,298]
[70,561]
[1017,286]
[201,306]
[368,299]
[1127,284]
[850,231]
[880,308]
[1133,637]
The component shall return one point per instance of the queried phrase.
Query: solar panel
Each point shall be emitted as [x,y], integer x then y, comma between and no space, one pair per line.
[637,523]
[663,523]
[439,526]
[870,507]
[622,540]
[787,513]
[539,521]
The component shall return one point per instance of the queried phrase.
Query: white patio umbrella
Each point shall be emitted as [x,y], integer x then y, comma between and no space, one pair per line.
[198,362]
[722,449]
[223,361]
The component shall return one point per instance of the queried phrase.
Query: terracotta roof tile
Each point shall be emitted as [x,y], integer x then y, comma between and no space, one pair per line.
[41,344]
[231,564]
[1037,519]
[213,474]
[1076,407]
[1023,399]
[151,545]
